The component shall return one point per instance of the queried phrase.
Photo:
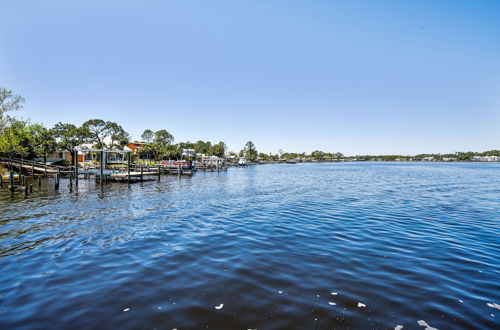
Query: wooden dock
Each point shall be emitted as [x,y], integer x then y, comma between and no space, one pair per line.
[34,167]
[127,172]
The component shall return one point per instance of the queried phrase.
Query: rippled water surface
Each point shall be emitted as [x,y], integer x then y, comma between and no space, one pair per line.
[397,244]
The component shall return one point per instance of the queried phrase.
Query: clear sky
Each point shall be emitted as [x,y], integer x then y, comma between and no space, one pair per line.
[358,77]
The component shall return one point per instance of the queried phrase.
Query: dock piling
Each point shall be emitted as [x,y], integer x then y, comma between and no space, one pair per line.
[128,167]
[101,177]
[76,167]
[11,181]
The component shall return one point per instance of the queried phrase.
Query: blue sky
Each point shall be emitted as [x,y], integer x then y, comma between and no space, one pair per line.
[359,77]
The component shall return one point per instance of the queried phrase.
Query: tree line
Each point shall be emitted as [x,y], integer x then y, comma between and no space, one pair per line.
[21,138]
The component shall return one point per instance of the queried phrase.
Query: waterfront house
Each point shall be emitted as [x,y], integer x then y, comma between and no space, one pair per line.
[190,153]
[486,158]
[135,147]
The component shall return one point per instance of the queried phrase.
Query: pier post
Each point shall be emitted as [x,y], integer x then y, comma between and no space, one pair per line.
[76,167]
[11,181]
[25,186]
[158,173]
[101,177]
[142,172]
[31,188]
[71,181]
[39,181]
[56,181]
[128,167]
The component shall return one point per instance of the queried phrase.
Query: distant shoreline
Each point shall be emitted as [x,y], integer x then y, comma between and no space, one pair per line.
[374,161]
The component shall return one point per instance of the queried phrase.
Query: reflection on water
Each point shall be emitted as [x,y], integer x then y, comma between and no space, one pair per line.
[353,245]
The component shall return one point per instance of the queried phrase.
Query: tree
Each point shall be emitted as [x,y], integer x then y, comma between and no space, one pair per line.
[68,136]
[317,154]
[8,102]
[26,140]
[98,130]
[42,141]
[202,147]
[185,145]
[118,137]
[12,139]
[170,152]
[161,146]
[149,151]
[147,136]
[163,138]
[218,149]
[250,151]
[265,156]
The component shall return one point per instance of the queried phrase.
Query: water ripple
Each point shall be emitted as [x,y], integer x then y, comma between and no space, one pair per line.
[398,244]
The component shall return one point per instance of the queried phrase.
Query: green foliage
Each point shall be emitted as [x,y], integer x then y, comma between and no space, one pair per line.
[147,135]
[117,135]
[68,136]
[171,152]
[43,141]
[161,146]
[8,102]
[98,130]
[268,157]
[291,155]
[250,152]
[218,149]
[185,145]
[163,138]
[20,138]
[202,147]
[26,140]
[12,140]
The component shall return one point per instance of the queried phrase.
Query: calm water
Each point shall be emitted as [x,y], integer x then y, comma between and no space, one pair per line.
[410,242]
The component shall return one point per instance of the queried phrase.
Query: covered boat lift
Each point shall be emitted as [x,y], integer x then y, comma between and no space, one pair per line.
[102,161]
